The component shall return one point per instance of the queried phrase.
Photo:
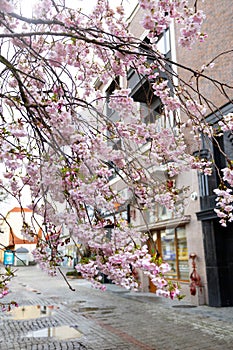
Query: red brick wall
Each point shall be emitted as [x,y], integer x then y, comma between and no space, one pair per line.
[218,26]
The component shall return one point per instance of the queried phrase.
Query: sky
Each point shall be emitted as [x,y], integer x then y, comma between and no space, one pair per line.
[86,5]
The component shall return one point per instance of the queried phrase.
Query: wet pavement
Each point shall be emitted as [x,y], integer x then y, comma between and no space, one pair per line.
[52,316]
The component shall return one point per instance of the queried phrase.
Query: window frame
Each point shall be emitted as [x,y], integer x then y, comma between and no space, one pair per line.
[177,275]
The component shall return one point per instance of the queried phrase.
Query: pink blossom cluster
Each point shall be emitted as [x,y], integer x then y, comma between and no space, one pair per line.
[191,32]
[122,268]
[6,6]
[4,292]
[228,175]
[162,90]
[169,147]
[28,233]
[226,124]
[159,15]
[47,253]
[13,158]
[195,108]
[5,277]
[203,165]
[224,206]
[32,177]
[57,140]
[121,102]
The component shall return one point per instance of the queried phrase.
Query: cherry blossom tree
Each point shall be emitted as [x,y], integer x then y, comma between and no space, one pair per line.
[57,138]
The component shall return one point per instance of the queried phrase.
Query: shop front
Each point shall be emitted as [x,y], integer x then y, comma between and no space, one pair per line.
[171,246]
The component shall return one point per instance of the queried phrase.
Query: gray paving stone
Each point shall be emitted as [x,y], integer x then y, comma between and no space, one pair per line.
[112,320]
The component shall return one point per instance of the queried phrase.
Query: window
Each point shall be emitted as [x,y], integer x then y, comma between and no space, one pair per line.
[151,113]
[211,148]
[151,107]
[163,43]
[113,116]
[158,213]
[182,254]
[172,247]
[168,251]
[113,86]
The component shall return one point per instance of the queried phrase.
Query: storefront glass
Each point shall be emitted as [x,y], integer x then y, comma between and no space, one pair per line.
[169,251]
[183,263]
[172,246]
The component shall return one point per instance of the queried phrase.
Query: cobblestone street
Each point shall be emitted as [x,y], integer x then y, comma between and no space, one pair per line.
[111,320]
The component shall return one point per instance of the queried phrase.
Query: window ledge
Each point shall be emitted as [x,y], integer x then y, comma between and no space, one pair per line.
[169,223]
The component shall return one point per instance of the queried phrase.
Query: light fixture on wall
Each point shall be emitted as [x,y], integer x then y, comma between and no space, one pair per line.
[193,196]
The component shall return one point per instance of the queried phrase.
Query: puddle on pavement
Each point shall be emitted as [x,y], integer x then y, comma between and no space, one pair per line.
[145,298]
[32,311]
[184,306]
[76,302]
[88,309]
[109,311]
[62,332]
[91,309]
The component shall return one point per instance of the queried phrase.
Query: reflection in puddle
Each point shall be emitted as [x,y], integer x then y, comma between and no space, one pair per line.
[32,311]
[184,306]
[109,311]
[91,309]
[88,309]
[63,332]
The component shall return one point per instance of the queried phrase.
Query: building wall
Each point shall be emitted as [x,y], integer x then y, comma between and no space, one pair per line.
[193,227]
[217,240]
[4,239]
[137,30]
[218,24]
[194,236]
[11,235]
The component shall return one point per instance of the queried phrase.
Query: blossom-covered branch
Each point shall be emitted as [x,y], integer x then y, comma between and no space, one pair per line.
[58,139]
